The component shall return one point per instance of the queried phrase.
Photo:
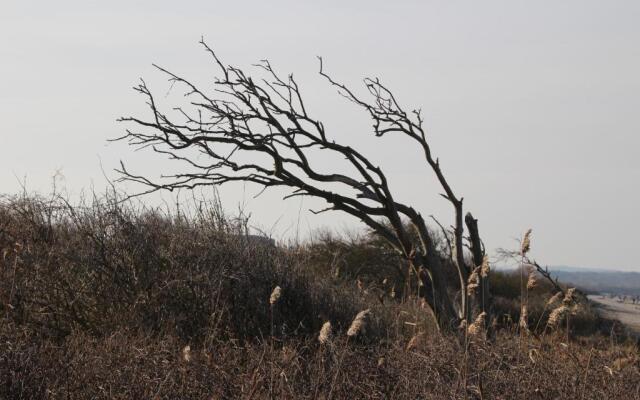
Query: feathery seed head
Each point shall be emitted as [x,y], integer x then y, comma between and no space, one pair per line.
[477,328]
[557,315]
[569,296]
[554,299]
[474,281]
[325,333]
[524,318]
[359,323]
[275,295]
[485,269]
[525,246]
[186,353]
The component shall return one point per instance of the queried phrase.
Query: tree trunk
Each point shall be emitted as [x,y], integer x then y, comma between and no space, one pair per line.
[436,292]
[483,299]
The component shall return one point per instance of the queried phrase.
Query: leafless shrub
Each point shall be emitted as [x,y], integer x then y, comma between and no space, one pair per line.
[95,298]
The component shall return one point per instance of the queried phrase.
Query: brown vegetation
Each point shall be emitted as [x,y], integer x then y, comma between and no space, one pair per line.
[106,300]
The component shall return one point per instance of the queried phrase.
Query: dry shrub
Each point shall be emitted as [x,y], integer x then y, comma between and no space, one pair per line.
[110,301]
[542,300]
[370,261]
[110,265]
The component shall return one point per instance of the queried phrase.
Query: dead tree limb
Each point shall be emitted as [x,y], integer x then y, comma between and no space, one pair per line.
[478,254]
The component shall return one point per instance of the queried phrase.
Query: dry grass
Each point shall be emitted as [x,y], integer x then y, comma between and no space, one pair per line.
[111,302]
[84,366]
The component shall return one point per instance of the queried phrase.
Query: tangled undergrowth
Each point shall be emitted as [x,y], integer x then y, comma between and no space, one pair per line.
[112,301]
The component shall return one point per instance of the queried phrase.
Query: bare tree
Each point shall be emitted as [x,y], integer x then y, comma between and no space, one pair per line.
[267,119]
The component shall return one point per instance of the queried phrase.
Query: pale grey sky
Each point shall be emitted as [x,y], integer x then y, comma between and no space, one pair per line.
[532,106]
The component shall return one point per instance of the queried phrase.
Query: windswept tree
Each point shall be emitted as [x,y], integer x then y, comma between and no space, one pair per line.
[259,131]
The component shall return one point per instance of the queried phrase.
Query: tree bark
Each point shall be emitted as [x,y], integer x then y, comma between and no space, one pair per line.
[437,293]
[477,252]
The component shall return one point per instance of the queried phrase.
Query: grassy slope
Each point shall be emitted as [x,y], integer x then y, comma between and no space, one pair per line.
[102,302]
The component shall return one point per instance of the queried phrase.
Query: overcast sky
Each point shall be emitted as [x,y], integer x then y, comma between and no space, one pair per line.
[532,106]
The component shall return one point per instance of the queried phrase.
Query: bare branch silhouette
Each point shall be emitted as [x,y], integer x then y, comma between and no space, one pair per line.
[260,131]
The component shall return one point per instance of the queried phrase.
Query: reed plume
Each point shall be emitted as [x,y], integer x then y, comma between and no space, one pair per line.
[325,333]
[485,269]
[275,295]
[359,323]
[186,353]
[524,318]
[525,246]
[477,328]
[569,297]
[473,282]
[556,315]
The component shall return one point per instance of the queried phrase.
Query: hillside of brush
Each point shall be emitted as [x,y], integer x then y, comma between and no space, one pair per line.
[111,300]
